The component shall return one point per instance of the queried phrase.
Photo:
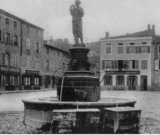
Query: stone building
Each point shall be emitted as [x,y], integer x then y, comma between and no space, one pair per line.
[25,61]
[10,46]
[31,56]
[131,61]
[55,61]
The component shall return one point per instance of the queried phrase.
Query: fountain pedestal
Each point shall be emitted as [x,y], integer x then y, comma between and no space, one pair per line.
[79,83]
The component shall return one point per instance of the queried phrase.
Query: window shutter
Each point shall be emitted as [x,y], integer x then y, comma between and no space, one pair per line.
[136,62]
[148,49]
[23,80]
[40,80]
[103,64]
[136,81]
[127,80]
[127,50]
[4,39]
[3,59]
[12,39]
[19,41]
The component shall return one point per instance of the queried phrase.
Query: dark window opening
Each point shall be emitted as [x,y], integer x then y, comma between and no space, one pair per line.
[132,43]
[120,64]
[7,21]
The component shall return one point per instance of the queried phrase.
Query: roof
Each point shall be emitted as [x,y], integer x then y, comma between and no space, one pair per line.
[55,48]
[146,33]
[19,19]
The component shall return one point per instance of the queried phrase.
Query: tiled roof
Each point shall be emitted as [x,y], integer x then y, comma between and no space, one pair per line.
[146,33]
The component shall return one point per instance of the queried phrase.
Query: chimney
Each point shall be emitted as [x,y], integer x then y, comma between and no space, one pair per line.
[107,35]
[153,30]
[149,27]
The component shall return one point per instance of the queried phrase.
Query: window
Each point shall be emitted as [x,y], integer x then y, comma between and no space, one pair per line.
[125,64]
[15,40]
[7,21]
[120,80]
[28,44]
[6,59]
[27,81]
[114,64]
[144,43]
[28,62]
[120,64]
[145,49]
[120,50]
[120,43]
[107,80]
[144,64]
[13,61]
[132,43]
[108,64]
[15,24]
[108,48]
[133,64]
[37,64]
[8,38]
[36,47]
[47,64]
[36,81]
[132,49]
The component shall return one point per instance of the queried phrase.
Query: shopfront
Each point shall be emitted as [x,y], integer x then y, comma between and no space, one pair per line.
[121,80]
[31,80]
[9,78]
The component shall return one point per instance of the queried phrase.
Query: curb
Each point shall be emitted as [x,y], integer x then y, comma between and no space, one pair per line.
[24,91]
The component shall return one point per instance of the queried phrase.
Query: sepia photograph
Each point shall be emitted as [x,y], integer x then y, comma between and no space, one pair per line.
[79,67]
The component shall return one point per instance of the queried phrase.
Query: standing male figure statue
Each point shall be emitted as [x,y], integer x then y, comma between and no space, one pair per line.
[77,14]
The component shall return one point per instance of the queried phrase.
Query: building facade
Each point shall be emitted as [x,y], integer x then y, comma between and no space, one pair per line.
[31,57]
[55,61]
[26,63]
[128,61]
[10,45]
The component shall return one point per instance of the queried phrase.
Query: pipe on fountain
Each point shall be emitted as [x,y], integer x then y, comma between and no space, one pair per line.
[62,84]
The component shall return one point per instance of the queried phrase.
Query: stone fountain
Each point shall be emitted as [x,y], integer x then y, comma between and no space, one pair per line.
[78,88]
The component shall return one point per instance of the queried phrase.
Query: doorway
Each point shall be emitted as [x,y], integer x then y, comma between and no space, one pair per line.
[132,82]
[144,83]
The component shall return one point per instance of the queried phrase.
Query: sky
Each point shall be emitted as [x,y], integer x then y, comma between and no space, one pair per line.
[117,17]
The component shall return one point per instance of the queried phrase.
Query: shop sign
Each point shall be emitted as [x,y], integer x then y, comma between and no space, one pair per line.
[123,72]
[14,69]
[32,72]
[4,68]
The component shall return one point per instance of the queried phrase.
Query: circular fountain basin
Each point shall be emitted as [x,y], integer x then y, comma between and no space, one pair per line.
[38,112]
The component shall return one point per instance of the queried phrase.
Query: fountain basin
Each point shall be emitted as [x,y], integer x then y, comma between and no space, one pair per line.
[38,113]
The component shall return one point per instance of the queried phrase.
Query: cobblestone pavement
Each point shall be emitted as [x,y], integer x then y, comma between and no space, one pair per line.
[12,123]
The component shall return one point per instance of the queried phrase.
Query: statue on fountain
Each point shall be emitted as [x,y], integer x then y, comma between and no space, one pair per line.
[77,14]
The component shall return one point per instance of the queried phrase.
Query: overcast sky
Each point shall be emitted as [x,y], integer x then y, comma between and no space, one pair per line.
[118,17]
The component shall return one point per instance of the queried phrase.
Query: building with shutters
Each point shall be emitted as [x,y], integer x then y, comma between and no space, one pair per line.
[31,57]
[131,61]
[55,61]
[10,46]
[20,58]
